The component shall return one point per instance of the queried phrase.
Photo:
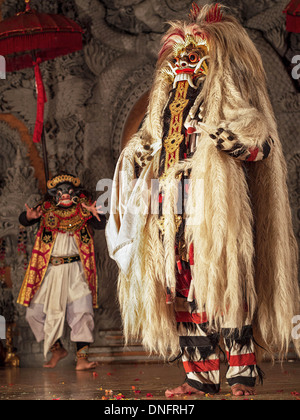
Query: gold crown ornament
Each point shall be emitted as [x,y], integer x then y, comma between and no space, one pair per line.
[60,179]
[191,41]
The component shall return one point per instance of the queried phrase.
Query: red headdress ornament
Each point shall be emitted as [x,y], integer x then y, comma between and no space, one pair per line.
[214,15]
[194,12]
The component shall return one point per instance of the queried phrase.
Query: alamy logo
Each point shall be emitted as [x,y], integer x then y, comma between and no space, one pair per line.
[296,69]
[2,328]
[296,329]
[2,67]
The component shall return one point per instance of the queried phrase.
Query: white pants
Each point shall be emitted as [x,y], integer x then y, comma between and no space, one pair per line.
[79,315]
[64,293]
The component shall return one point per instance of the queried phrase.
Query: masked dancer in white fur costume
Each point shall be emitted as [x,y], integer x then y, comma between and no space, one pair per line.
[218,256]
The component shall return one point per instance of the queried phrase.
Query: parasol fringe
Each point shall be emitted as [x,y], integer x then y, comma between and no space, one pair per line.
[47,46]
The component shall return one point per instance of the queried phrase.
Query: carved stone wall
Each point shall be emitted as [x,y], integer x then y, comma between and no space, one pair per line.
[91,94]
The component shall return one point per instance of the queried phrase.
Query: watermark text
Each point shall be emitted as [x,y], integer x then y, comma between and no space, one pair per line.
[143,197]
[2,67]
[296,69]
[2,328]
[296,329]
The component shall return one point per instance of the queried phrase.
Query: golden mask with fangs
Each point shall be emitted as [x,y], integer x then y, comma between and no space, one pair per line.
[190,61]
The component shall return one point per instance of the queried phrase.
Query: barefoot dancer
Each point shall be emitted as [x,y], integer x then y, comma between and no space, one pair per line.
[218,256]
[61,280]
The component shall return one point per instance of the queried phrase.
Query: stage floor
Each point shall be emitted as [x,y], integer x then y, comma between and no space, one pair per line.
[133,381]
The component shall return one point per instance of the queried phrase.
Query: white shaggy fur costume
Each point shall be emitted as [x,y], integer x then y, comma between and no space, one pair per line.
[245,248]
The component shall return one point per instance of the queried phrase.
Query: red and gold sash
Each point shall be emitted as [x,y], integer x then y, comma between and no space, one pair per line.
[55,220]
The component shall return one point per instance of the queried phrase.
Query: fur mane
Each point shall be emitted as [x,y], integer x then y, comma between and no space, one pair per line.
[231,267]
[233,56]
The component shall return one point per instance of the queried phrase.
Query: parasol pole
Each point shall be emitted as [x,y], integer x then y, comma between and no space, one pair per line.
[45,156]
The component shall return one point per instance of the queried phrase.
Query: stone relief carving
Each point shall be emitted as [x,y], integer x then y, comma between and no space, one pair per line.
[92,92]
[7,151]
[20,186]
[144,16]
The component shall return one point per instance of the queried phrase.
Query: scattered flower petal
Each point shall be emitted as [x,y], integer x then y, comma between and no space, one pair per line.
[295,394]
[109,392]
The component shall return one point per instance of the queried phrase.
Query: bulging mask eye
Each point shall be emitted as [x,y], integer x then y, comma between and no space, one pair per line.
[194,57]
[59,193]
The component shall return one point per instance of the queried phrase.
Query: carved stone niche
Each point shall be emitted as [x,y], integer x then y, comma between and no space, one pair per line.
[135,118]
[130,106]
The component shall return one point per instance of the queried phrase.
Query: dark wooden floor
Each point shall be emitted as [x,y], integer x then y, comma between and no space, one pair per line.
[133,381]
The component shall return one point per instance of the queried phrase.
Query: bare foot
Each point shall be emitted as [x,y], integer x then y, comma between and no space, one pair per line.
[184,389]
[57,355]
[239,390]
[84,364]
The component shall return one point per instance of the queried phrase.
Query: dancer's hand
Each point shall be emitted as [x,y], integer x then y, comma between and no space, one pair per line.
[94,210]
[33,214]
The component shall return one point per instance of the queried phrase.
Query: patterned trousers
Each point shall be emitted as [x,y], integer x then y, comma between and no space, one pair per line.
[200,356]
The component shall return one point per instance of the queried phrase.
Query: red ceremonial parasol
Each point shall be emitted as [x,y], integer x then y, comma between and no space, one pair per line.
[293,16]
[29,38]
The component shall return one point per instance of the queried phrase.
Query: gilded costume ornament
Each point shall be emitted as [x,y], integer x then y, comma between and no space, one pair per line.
[66,212]
[62,179]
[61,281]
[175,137]
[65,220]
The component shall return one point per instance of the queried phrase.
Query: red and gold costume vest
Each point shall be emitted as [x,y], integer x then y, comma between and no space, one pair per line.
[53,221]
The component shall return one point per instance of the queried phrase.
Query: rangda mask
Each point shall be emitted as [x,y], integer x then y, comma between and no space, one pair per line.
[190,58]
